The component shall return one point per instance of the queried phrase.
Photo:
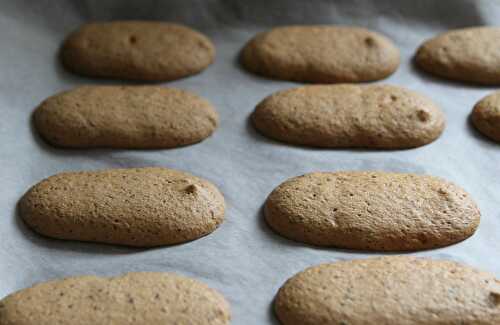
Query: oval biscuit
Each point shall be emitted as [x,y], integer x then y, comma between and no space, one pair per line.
[138,50]
[321,54]
[142,117]
[486,116]
[135,298]
[393,290]
[136,207]
[469,54]
[372,211]
[339,116]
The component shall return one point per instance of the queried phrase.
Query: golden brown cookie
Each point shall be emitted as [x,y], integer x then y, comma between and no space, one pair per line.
[469,54]
[321,54]
[339,116]
[135,298]
[372,211]
[136,207]
[125,117]
[138,50]
[392,290]
[486,116]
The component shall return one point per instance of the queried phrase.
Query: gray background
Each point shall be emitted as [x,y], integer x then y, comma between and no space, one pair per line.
[243,259]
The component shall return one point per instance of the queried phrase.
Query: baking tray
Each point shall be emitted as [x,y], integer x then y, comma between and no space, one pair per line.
[243,259]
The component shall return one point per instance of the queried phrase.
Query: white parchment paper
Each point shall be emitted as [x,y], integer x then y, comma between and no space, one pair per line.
[243,259]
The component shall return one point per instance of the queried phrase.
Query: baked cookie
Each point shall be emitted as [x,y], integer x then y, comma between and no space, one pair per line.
[372,211]
[392,290]
[141,117]
[139,50]
[338,116]
[134,298]
[136,207]
[469,54]
[321,54]
[486,116]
